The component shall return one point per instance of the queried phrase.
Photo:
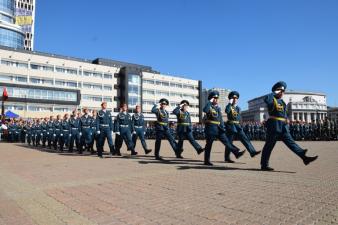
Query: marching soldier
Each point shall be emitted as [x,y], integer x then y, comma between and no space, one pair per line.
[234,128]
[86,135]
[123,128]
[104,128]
[74,122]
[184,127]
[56,131]
[29,132]
[278,128]
[214,128]
[162,128]
[139,129]
[65,132]
[38,130]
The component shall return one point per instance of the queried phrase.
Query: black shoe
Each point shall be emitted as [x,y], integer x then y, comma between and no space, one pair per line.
[229,161]
[147,151]
[199,151]
[308,159]
[240,154]
[255,153]
[179,156]
[100,156]
[118,154]
[208,164]
[134,153]
[158,158]
[266,168]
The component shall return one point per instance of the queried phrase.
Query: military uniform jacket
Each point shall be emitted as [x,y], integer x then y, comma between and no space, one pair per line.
[57,126]
[74,123]
[86,122]
[138,121]
[123,120]
[277,109]
[104,119]
[234,116]
[65,126]
[183,120]
[162,116]
[213,116]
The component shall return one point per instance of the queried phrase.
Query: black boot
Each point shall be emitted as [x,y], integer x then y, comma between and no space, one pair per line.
[255,153]
[267,168]
[147,151]
[240,154]
[308,159]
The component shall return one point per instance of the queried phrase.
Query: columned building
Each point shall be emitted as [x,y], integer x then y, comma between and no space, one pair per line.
[302,106]
[42,84]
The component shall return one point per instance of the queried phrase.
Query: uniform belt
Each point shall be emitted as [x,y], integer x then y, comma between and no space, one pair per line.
[213,122]
[65,130]
[74,128]
[138,126]
[85,126]
[124,125]
[184,124]
[278,118]
[162,123]
[233,121]
[104,125]
[57,129]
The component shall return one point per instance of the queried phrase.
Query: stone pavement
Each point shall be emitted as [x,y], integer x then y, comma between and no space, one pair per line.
[45,188]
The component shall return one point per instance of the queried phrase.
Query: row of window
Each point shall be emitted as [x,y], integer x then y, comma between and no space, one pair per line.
[17,92]
[170,84]
[51,82]
[148,102]
[51,68]
[97,98]
[169,94]
[11,38]
[38,108]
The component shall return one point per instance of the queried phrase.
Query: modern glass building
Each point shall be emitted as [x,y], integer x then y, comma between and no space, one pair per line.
[11,35]
[24,12]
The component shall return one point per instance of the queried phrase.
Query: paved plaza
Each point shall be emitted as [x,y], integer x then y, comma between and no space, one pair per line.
[38,187]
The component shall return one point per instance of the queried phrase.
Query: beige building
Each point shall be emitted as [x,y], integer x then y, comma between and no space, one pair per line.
[40,84]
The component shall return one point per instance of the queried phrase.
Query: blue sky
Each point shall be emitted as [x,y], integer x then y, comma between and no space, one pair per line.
[244,45]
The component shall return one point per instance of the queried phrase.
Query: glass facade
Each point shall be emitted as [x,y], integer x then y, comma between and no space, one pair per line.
[7,6]
[134,90]
[11,38]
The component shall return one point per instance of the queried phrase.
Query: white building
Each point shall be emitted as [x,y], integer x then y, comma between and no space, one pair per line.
[302,106]
[41,84]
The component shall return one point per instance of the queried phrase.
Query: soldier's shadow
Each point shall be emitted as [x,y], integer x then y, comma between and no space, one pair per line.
[202,167]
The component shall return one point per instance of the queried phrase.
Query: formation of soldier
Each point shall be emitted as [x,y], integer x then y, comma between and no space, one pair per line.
[81,131]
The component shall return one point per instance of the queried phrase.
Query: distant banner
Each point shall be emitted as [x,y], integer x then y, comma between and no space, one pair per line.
[23,20]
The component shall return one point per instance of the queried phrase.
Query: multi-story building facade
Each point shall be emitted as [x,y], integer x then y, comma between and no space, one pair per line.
[41,84]
[332,113]
[11,35]
[25,17]
[302,106]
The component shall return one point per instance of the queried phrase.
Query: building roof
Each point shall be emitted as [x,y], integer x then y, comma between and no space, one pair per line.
[294,92]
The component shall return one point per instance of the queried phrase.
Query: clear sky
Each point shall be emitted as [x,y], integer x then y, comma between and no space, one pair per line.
[244,45]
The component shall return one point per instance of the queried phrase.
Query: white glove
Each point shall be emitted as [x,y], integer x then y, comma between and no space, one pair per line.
[80,133]
[277,92]
[70,135]
[145,133]
[231,101]
[134,132]
[98,132]
[118,133]
[54,135]
[47,132]
[112,133]
[212,99]
[182,105]
[61,135]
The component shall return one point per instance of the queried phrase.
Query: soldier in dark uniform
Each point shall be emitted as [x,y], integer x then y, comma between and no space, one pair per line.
[74,122]
[65,132]
[162,128]
[234,128]
[50,131]
[104,128]
[38,130]
[33,132]
[23,131]
[184,127]
[85,131]
[44,127]
[124,127]
[278,128]
[139,129]
[56,131]
[95,136]
[29,133]
[214,128]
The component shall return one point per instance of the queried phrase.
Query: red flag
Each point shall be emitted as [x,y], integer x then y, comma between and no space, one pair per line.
[4,95]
